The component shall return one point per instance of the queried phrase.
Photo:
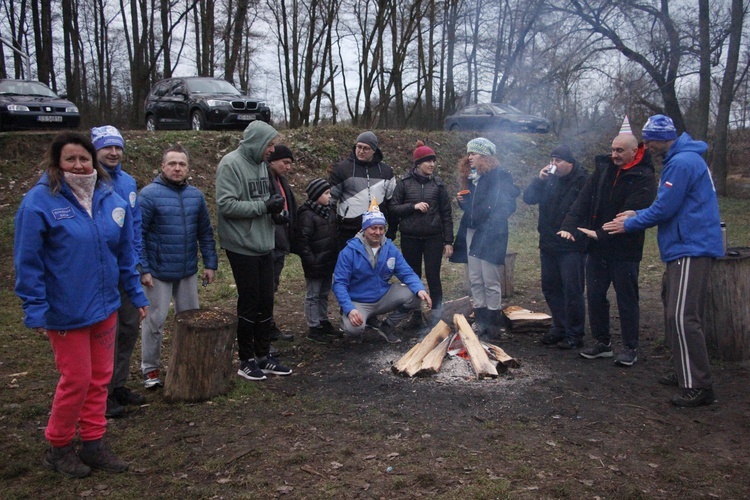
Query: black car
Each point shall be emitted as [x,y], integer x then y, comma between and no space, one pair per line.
[26,104]
[495,116]
[201,103]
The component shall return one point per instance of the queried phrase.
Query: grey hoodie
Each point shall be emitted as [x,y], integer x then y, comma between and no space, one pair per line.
[242,187]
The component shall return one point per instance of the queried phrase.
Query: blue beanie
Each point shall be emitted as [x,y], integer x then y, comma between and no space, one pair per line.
[106,136]
[372,218]
[659,128]
[481,146]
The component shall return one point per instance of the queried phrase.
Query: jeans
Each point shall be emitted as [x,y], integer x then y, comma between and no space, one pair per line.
[316,300]
[563,276]
[485,280]
[600,273]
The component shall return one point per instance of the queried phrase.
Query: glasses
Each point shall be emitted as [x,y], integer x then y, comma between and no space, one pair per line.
[364,149]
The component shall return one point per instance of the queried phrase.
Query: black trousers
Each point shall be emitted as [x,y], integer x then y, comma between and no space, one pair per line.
[431,250]
[253,275]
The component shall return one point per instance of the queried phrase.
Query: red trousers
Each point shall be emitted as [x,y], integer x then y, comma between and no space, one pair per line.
[84,357]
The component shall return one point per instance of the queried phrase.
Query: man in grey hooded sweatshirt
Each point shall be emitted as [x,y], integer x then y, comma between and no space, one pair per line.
[246,233]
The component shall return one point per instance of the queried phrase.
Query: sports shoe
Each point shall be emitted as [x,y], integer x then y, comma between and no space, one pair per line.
[569,344]
[317,334]
[151,380]
[329,330]
[114,408]
[269,365]
[386,331]
[373,322]
[125,397]
[551,339]
[669,379]
[598,351]
[690,398]
[101,458]
[249,370]
[627,357]
[66,461]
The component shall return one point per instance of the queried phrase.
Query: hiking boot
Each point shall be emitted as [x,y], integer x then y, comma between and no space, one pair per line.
[386,331]
[598,351]
[114,409]
[66,461]
[270,365]
[627,357]
[151,380]
[329,330]
[249,370]
[690,398]
[550,338]
[373,322]
[125,397]
[569,344]
[317,334]
[669,379]
[101,458]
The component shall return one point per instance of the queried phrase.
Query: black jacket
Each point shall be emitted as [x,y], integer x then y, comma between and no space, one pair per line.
[486,209]
[284,232]
[608,192]
[438,220]
[316,242]
[555,195]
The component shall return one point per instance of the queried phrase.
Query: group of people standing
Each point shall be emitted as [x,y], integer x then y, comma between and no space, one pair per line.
[94,258]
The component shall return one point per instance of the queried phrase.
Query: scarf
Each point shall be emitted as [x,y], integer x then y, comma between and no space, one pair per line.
[322,210]
[82,186]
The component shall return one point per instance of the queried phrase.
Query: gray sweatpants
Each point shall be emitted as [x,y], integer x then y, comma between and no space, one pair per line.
[684,289]
[185,296]
[485,280]
[398,299]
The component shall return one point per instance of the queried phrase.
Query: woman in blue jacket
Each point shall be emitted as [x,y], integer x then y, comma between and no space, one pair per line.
[73,245]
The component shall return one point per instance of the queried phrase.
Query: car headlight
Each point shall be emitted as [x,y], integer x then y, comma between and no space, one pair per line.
[216,103]
[71,109]
[17,107]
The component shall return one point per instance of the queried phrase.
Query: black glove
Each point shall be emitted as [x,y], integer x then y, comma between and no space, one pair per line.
[280,219]
[275,204]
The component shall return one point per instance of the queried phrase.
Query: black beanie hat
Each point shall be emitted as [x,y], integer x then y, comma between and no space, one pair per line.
[564,153]
[280,152]
[316,188]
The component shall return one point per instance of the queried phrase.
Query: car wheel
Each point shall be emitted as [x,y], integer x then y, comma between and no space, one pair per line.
[197,121]
[455,127]
[151,123]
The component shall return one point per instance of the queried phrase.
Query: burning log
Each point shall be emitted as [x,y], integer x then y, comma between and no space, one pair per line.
[411,362]
[434,359]
[477,355]
[503,360]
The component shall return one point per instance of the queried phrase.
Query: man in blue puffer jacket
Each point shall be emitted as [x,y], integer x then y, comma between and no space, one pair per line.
[689,235]
[175,224]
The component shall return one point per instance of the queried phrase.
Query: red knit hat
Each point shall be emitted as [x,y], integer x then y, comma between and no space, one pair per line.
[423,153]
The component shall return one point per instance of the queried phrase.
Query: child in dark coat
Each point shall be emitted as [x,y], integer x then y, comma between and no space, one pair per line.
[318,249]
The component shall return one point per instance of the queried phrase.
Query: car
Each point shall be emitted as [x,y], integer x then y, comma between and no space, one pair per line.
[495,116]
[28,104]
[201,103]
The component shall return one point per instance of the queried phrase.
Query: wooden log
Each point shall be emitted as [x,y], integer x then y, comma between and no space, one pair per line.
[523,320]
[504,361]
[433,361]
[727,321]
[201,361]
[508,271]
[412,360]
[477,355]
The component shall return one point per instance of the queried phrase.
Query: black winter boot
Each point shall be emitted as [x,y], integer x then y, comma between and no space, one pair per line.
[481,320]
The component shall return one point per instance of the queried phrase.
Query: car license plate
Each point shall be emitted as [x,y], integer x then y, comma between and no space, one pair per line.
[49,118]
[246,117]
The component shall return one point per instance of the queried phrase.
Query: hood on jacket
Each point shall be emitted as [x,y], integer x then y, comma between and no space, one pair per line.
[255,140]
[376,158]
[686,144]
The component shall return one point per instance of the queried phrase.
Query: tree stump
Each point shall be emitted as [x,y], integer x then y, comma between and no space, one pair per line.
[509,274]
[727,325]
[201,362]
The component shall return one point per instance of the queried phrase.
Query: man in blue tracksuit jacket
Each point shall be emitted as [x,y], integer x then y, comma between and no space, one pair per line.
[110,146]
[686,211]
[361,280]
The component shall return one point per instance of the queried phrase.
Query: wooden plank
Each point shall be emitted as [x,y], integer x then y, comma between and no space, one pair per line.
[412,360]
[477,355]
[433,361]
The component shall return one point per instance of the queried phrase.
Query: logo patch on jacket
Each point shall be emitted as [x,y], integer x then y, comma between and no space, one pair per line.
[118,215]
[391,263]
[132,199]
[63,213]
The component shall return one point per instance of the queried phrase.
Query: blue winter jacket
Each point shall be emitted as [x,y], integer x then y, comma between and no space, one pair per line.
[175,223]
[355,280]
[124,185]
[686,207]
[69,264]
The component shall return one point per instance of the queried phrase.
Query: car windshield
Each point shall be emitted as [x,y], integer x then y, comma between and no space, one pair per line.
[210,86]
[26,88]
[505,108]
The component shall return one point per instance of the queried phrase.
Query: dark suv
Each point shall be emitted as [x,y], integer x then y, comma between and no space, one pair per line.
[201,103]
